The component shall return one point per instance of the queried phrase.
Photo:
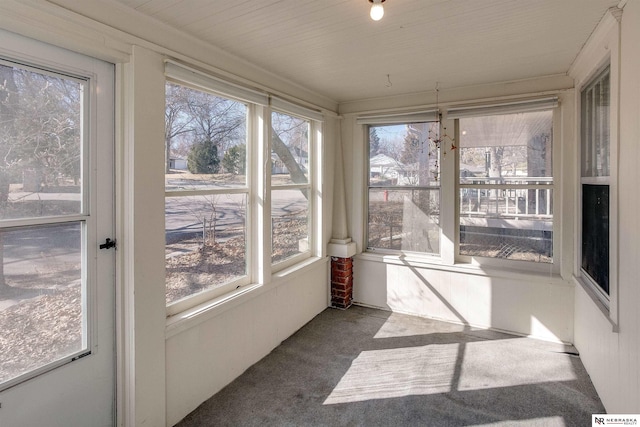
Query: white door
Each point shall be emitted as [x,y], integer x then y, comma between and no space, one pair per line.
[57,287]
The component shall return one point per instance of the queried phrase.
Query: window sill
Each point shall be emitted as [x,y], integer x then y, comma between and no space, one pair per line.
[601,306]
[187,319]
[295,270]
[434,263]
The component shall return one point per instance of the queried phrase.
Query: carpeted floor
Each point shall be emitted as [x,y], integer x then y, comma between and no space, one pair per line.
[365,367]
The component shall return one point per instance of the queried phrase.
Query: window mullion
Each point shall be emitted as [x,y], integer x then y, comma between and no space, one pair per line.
[449,208]
[315,160]
[306,185]
[208,192]
[261,185]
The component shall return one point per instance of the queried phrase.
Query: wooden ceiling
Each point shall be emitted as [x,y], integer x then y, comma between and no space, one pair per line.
[333,48]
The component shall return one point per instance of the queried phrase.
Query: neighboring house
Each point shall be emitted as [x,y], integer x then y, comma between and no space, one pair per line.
[383,167]
[178,164]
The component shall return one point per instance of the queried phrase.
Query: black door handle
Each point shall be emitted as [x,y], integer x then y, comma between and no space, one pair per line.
[108,244]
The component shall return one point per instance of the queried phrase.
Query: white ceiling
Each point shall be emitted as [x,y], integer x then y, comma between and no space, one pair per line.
[333,48]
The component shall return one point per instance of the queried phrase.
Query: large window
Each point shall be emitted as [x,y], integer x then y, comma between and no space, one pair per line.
[290,187]
[239,186]
[506,186]
[206,188]
[404,188]
[595,182]
[497,169]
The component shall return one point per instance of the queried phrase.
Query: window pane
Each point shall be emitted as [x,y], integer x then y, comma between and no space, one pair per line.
[595,145]
[205,140]
[595,233]
[205,242]
[511,224]
[504,149]
[41,297]
[290,223]
[595,127]
[509,214]
[289,150]
[40,144]
[404,220]
[404,155]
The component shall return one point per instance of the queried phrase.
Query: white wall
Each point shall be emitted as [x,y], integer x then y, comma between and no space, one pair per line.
[537,306]
[613,358]
[204,358]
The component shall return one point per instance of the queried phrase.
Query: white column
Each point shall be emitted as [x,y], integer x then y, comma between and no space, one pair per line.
[142,213]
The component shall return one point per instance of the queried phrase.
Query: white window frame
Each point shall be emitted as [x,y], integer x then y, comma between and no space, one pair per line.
[547,103]
[448,258]
[602,296]
[283,107]
[427,116]
[200,297]
[607,303]
[259,268]
[602,49]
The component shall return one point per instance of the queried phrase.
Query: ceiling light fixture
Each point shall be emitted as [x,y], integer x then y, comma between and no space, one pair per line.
[377,11]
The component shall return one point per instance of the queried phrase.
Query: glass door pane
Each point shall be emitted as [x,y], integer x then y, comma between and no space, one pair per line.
[42,309]
[43,287]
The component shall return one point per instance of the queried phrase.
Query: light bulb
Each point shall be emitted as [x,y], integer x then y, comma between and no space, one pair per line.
[377,11]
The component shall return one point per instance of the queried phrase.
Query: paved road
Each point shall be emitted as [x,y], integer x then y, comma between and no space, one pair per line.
[39,250]
[37,255]
[184,215]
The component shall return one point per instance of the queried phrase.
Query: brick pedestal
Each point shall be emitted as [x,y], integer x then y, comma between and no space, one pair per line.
[341,282]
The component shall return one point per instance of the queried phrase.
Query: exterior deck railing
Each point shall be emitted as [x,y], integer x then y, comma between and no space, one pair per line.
[520,197]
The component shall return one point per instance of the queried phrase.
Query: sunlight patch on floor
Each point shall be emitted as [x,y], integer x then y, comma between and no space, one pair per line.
[512,362]
[384,374]
[403,326]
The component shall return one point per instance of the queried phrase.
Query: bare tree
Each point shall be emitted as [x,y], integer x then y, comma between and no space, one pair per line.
[194,117]
[290,138]
[176,121]
[285,156]
[221,121]
[417,153]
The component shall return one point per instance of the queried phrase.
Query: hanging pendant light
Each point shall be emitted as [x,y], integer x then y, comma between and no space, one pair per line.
[377,10]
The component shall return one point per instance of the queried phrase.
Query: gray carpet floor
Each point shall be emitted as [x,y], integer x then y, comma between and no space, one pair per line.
[366,367]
